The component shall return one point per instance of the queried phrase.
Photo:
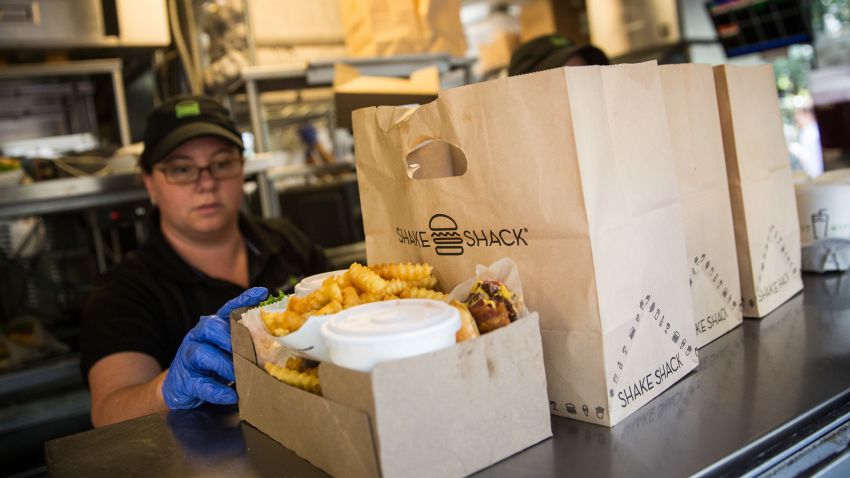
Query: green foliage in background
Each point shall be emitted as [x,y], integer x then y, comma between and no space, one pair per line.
[821,9]
[792,71]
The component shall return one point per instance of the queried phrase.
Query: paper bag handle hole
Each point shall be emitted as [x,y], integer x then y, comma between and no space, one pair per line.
[435,159]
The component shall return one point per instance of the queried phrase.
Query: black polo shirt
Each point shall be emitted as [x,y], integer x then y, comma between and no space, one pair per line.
[153,298]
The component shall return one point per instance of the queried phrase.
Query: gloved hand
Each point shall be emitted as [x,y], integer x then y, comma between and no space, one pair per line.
[204,364]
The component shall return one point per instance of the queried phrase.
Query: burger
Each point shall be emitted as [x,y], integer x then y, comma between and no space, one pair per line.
[492,305]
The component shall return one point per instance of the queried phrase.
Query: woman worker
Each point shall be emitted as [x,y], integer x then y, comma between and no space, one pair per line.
[155,335]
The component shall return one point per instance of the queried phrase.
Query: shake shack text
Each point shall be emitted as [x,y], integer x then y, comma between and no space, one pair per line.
[707,323]
[648,382]
[447,239]
[772,288]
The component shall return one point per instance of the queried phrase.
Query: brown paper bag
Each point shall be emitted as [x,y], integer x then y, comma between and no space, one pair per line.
[402,27]
[439,23]
[569,172]
[691,104]
[767,231]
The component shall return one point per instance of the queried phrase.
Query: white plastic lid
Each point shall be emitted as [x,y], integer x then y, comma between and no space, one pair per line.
[392,320]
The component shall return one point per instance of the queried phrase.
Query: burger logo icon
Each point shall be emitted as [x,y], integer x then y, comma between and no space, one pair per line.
[444,235]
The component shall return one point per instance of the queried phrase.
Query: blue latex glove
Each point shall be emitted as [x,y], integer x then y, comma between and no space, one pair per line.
[204,362]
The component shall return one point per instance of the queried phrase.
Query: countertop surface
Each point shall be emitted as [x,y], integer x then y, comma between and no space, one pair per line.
[754,386]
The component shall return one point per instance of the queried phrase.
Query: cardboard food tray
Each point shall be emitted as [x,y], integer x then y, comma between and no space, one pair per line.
[446,413]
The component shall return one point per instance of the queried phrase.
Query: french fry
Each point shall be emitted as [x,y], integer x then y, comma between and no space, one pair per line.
[298,304]
[468,327]
[329,292]
[366,279]
[358,285]
[343,280]
[295,363]
[395,286]
[404,271]
[419,293]
[307,380]
[350,297]
[429,282]
[282,322]
[366,298]
[331,307]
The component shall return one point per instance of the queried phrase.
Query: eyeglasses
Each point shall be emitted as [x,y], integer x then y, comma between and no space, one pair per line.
[187,173]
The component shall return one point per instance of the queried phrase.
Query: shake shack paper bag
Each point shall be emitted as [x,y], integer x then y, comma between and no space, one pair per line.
[569,172]
[764,210]
[691,104]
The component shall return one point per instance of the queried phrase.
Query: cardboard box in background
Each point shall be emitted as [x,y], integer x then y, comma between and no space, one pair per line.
[497,54]
[764,210]
[691,103]
[402,27]
[620,28]
[447,413]
[567,17]
[353,91]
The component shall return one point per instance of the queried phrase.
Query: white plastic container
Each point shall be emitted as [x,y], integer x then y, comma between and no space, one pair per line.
[313,283]
[823,207]
[360,337]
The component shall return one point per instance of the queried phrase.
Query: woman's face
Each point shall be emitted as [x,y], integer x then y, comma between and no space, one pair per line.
[206,207]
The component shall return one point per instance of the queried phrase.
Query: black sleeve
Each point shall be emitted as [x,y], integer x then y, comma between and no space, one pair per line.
[298,247]
[120,316]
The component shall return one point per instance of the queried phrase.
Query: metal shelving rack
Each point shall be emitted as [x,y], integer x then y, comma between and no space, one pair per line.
[255,80]
[60,195]
[110,66]
[90,192]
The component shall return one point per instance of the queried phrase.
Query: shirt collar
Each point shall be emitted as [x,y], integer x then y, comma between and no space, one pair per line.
[259,245]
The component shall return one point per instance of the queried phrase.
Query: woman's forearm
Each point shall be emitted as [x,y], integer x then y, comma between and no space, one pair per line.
[129,402]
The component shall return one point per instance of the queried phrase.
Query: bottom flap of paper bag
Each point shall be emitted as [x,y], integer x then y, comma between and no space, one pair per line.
[774,240]
[651,354]
[717,304]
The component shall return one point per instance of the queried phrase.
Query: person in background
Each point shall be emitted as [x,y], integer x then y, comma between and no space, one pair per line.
[316,154]
[553,51]
[808,148]
[154,333]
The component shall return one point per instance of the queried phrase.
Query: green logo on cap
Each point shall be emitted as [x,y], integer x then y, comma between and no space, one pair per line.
[559,41]
[187,108]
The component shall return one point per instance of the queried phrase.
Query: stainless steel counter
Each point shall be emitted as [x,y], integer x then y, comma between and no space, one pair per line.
[762,391]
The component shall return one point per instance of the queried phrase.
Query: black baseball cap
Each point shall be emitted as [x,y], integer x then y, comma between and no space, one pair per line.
[181,118]
[552,51]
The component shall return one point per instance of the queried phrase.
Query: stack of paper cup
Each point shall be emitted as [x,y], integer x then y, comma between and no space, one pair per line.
[823,206]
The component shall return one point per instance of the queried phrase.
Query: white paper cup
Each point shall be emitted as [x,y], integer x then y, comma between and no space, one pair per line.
[824,211]
[362,336]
